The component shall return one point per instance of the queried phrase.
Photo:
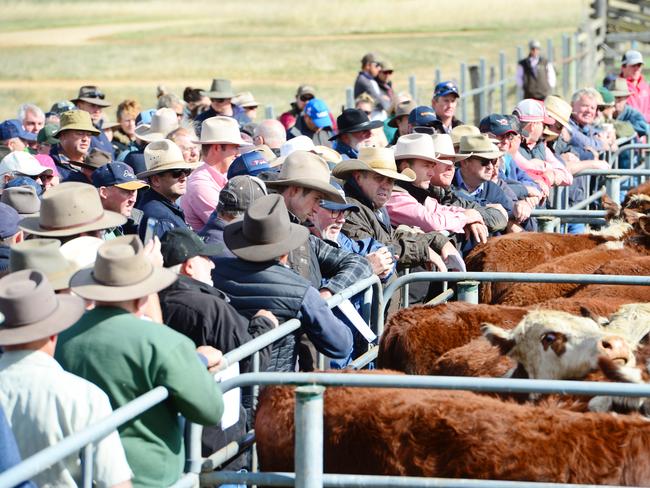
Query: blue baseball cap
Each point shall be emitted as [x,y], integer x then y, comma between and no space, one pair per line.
[251,163]
[330,205]
[13,128]
[117,174]
[446,88]
[422,116]
[9,219]
[25,181]
[318,112]
[497,124]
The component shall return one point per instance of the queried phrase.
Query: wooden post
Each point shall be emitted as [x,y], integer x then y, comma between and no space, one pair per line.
[474,82]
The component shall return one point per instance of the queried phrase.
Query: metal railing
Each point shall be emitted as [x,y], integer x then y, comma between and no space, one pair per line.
[308,450]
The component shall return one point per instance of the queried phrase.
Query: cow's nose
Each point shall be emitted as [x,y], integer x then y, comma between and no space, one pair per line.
[615,347]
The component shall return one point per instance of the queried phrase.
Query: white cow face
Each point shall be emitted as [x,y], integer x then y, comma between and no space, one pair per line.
[557,345]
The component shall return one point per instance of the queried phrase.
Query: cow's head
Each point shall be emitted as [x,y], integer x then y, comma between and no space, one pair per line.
[632,321]
[557,345]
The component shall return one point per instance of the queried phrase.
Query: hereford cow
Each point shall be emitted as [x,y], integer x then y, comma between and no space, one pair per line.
[454,434]
[415,337]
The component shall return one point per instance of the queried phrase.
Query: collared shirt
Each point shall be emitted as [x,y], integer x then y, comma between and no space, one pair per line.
[202,196]
[461,184]
[45,404]
[582,138]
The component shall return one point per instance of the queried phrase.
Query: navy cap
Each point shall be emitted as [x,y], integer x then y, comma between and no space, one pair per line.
[497,124]
[117,174]
[9,219]
[318,112]
[251,163]
[13,128]
[25,181]
[330,205]
[446,88]
[422,116]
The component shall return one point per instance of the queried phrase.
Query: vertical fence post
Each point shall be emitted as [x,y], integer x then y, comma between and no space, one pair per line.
[468,291]
[193,458]
[309,436]
[438,77]
[349,98]
[550,54]
[474,83]
[519,90]
[565,65]
[87,464]
[547,224]
[483,95]
[577,63]
[613,187]
[413,88]
[502,80]
[269,113]
[463,89]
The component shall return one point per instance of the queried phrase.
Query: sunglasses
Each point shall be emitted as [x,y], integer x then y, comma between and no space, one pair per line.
[306,98]
[487,162]
[335,214]
[177,173]
[220,100]
[94,94]
[388,72]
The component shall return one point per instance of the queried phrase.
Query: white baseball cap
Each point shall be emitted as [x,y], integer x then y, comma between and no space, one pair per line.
[632,57]
[23,163]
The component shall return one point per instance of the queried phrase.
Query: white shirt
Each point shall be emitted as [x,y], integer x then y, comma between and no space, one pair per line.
[45,404]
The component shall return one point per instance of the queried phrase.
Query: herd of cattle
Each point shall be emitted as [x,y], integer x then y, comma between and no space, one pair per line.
[521,330]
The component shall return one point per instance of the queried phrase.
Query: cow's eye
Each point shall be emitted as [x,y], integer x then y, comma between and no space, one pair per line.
[549,338]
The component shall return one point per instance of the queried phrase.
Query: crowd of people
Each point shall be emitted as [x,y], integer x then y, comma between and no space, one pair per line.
[199,216]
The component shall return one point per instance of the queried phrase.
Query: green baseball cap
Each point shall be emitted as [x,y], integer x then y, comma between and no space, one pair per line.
[46,134]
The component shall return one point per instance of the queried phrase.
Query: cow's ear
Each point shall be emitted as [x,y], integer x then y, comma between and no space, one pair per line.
[644,224]
[612,209]
[631,216]
[498,337]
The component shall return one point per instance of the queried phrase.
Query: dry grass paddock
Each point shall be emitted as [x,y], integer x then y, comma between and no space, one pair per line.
[49,48]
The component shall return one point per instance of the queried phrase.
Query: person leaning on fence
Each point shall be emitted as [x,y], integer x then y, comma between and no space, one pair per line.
[535,74]
[624,112]
[260,278]
[45,404]
[444,103]
[127,356]
[632,72]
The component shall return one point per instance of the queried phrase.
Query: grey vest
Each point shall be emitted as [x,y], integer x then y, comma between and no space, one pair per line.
[535,81]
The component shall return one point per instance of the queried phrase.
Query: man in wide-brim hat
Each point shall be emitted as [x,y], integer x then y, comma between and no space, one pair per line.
[354,129]
[44,403]
[75,134]
[369,183]
[167,174]
[127,356]
[260,278]
[221,94]
[93,101]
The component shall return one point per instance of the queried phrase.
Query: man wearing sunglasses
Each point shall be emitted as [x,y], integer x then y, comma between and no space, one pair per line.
[304,93]
[92,100]
[167,174]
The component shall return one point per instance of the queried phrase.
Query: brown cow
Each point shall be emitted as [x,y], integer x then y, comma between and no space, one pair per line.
[636,266]
[416,337]
[454,434]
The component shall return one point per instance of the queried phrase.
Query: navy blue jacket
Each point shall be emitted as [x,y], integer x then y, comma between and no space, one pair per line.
[168,214]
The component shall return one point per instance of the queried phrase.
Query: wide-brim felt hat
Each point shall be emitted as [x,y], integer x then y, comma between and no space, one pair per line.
[415,146]
[164,155]
[374,159]
[91,94]
[23,321]
[620,88]
[402,109]
[220,88]
[220,130]
[479,147]
[163,121]
[121,272]
[71,208]
[265,233]
[76,120]
[445,151]
[558,109]
[45,256]
[354,120]
[307,170]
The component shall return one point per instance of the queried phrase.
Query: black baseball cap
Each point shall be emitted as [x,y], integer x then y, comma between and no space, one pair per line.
[180,244]
[117,174]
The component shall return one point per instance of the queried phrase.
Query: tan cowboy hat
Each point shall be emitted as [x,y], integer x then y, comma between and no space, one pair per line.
[76,120]
[376,159]
[220,88]
[23,199]
[163,121]
[479,147]
[307,170]
[71,208]
[266,232]
[620,88]
[162,156]
[91,94]
[444,146]
[95,159]
[32,310]
[328,154]
[45,256]
[221,130]
[245,100]
[463,130]
[121,272]
[558,109]
[416,146]
[402,109]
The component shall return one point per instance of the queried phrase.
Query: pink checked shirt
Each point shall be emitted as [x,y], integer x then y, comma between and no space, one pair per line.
[202,196]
